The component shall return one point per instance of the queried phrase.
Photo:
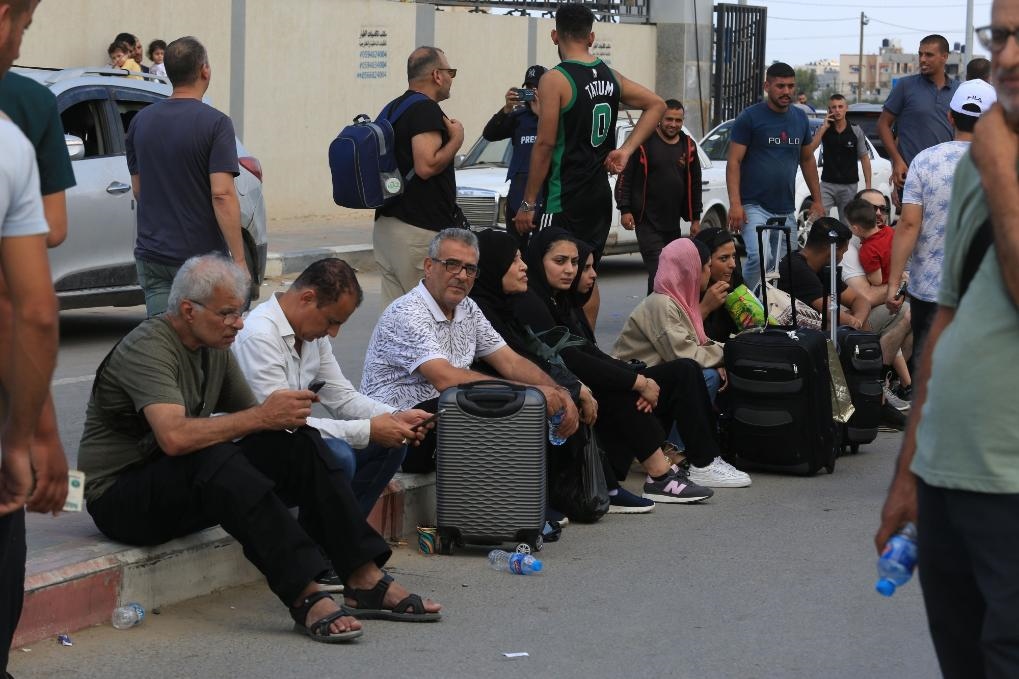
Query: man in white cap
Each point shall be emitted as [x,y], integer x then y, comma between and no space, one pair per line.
[925,201]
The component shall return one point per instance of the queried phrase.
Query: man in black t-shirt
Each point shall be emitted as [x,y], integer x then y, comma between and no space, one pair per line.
[182,156]
[426,142]
[803,273]
[660,186]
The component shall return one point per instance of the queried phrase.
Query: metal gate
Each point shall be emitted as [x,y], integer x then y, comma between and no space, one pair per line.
[739,59]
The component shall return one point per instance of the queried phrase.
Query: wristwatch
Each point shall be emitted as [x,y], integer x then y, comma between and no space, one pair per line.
[527,207]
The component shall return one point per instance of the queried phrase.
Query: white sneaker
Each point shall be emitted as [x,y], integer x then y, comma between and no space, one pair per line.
[894,401]
[719,474]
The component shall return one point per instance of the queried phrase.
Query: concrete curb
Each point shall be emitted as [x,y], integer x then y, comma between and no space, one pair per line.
[72,596]
[360,256]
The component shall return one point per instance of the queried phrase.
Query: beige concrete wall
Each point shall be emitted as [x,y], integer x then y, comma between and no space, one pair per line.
[69,33]
[309,68]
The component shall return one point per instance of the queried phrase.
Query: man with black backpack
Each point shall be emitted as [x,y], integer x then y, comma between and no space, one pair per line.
[426,143]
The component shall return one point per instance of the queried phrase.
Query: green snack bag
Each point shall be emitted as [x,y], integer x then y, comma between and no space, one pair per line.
[745,310]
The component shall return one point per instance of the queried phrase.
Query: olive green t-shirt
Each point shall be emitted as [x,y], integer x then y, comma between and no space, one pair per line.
[969,433]
[150,366]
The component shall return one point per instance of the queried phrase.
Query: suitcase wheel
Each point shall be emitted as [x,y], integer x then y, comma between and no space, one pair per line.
[854,448]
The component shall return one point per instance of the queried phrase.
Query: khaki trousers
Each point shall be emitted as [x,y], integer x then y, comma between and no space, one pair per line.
[400,251]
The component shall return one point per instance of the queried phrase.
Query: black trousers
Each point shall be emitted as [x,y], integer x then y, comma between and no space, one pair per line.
[968,548]
[12,579]
[921,316]
[651,242]
[626,433]
[247,487]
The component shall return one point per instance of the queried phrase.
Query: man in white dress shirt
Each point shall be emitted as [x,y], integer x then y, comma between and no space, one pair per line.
[285,345]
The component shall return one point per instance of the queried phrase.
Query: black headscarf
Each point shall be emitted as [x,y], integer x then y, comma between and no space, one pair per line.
[498,249]
[718,325]
[579,299]
[715,238]
[541,242]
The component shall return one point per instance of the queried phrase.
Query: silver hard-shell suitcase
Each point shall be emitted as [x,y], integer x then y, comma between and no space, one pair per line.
[491,484]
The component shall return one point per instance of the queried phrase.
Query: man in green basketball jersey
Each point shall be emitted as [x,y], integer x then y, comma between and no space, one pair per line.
[577,105]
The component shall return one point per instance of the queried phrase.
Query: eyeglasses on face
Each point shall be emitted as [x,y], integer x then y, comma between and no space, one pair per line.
[994,38]
[455,266]
[229,317]
[450,71]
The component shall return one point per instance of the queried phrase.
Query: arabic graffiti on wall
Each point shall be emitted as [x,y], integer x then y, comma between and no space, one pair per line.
[603,50]
[373,54]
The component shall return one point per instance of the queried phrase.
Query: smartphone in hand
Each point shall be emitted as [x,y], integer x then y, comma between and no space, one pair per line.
[425,423]
[316,386]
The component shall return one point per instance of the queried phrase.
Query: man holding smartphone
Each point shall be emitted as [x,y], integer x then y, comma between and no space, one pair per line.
[284,344]
[517,121]
[842,145]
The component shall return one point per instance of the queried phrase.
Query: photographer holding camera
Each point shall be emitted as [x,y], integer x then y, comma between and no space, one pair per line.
[518,121]
[841,145]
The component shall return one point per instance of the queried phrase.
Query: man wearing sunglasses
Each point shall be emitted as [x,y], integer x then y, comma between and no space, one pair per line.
[426,141]
[957,476]
[427,341]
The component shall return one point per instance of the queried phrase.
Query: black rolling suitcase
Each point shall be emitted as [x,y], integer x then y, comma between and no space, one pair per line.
[491,483]
[860,356]
[779,414]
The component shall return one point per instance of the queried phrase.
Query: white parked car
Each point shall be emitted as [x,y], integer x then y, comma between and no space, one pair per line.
[482,187]
[95,266]
[716,145]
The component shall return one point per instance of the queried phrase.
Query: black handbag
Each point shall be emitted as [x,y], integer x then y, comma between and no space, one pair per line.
[577,483]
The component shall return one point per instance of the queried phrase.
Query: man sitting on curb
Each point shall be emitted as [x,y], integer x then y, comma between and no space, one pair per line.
[160,467]
[284,344]
[426,341]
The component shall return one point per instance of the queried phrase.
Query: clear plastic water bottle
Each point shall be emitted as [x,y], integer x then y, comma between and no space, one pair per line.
[553,428]
[128,615]
[514,562]
[897,561]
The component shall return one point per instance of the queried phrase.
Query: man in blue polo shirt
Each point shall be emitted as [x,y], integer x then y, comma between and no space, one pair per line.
[769,140]
[918,107]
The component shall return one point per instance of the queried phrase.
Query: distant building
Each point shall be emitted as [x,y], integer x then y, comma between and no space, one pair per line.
[827,71]
[882,70]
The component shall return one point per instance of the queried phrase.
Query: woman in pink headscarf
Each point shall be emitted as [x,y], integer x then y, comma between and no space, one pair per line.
[667,324]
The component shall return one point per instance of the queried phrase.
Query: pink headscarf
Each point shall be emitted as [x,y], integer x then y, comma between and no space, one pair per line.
[679,277]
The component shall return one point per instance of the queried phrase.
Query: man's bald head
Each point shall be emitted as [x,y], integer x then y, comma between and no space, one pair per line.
[422,62]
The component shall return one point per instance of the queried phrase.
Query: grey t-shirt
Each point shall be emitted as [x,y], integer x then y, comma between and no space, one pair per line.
[150,366]
[173,146]
[21,211]
[969,438]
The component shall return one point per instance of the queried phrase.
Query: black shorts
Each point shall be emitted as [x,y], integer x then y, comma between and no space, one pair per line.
[588,217]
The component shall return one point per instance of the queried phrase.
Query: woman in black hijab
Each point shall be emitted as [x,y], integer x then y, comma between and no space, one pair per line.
[726,276]
[629,425]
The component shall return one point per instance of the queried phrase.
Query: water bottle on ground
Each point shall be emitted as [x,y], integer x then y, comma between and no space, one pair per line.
[128,615]
[553,428]
[514,562]
[897,561]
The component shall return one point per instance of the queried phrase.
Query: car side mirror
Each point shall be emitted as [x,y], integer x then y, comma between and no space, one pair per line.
[75,146]
[459,160]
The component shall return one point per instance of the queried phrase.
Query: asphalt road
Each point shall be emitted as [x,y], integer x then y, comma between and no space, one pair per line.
[775,580]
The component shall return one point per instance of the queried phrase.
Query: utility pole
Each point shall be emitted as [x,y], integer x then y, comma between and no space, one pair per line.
[859,75]
[969,32]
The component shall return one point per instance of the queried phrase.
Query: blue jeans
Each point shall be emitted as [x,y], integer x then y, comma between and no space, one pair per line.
[369,469]
[774,243]
[713,381]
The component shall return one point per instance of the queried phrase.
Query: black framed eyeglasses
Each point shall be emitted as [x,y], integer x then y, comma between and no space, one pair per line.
[229,317]
[455,266]
[994,38]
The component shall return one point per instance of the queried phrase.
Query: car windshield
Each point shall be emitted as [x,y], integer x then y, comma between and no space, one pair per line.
[486,152]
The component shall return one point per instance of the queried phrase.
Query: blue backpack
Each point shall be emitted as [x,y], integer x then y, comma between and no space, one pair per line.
[362,159]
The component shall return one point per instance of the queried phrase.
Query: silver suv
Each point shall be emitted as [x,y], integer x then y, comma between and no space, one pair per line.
[95,266]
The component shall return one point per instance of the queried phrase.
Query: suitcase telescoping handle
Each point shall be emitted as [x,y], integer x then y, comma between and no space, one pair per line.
[491,398]
[833,295]
[775,224]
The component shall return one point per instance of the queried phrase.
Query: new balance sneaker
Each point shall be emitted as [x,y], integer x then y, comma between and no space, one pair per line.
[674,488]
[625,502]
[718,474]
[894,401]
